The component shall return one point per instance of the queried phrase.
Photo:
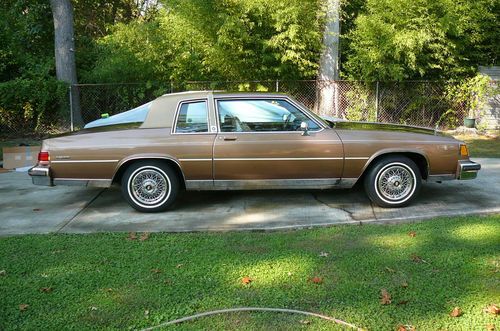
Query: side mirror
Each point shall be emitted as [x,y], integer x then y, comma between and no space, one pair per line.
[305,128]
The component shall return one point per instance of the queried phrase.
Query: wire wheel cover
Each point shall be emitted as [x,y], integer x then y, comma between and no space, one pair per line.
[149,186]
[395,182]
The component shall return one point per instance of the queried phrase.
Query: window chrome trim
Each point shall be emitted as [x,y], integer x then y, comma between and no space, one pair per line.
[173,129]
[287,99]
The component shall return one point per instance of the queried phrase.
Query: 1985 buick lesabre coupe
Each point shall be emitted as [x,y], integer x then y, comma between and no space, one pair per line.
[234,141]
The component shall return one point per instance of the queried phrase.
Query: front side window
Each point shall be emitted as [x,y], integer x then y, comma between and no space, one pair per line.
[192,118]
[261,115]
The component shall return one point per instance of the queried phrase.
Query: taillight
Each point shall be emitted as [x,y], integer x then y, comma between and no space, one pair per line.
[43,157]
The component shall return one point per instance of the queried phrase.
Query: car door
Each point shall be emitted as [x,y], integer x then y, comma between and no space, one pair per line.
[192,140]
[260,144]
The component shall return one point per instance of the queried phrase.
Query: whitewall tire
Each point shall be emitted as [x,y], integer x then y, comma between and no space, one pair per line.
[393,181]
[150,186]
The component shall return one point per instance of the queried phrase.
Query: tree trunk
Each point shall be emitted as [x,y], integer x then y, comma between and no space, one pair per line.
[62,12]
[329,62]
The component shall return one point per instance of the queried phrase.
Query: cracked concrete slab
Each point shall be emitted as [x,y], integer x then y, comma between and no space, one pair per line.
[25,208]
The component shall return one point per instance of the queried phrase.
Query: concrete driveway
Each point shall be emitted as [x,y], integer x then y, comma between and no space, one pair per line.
[25,208]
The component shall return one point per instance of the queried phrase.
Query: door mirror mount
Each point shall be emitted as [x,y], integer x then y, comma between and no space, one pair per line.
[305,128]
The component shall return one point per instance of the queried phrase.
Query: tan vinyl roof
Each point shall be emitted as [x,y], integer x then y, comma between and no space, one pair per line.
[162,110]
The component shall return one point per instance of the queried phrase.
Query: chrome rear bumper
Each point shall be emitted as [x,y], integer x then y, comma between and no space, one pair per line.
[41,176]
[467,169]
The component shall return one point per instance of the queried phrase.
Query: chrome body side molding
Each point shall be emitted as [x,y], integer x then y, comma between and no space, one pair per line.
[269,184]
[89,182]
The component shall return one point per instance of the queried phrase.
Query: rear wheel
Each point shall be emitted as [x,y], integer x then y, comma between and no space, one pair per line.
[150,186]
[393,181]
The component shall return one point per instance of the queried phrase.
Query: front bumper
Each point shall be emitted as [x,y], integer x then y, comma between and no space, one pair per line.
[41,175]
[467,169]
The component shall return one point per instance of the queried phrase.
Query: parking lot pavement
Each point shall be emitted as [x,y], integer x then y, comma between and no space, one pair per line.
[25,208]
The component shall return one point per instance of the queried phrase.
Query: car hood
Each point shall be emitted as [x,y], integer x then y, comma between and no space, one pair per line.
[369,126]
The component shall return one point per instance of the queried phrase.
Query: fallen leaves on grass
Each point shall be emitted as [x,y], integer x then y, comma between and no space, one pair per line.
[156,271]
[246,280]
[404,284]
[490,327]
[23,307]
[417,259]
[3,273]
[385,297]
[144,236]
[324,254]
[406,327]
[179,265]
[46,289]
[316,280]
[305,322]
[492,309]
[390,270]
[456,312]
[402,302]
[412,234]
[132,236]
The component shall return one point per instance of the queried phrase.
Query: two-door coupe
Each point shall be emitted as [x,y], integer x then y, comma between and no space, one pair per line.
[233,141]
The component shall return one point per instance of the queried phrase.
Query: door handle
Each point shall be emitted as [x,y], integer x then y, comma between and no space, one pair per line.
[230,138]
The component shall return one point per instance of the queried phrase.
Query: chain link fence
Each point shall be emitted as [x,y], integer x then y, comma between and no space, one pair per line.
[28,112]
[420,103]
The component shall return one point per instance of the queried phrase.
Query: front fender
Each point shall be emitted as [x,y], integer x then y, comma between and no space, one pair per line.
[387,151]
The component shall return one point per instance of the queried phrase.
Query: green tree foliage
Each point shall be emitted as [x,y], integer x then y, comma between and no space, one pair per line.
[26,29]
[430,39]
[216,40]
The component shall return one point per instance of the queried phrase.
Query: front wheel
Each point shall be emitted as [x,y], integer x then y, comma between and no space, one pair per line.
[150,186]
[393,182]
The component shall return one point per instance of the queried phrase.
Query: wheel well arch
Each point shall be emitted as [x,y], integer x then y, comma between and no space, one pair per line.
[419,159]
[172,163]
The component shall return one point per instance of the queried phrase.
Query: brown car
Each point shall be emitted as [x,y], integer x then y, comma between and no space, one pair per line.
[234,141]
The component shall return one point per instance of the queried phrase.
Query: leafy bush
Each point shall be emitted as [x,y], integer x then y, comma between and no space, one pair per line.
[32,105]
[361,103]
[472,94]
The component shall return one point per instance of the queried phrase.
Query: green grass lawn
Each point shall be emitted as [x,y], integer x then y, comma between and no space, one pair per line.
[482,146]
[104,281]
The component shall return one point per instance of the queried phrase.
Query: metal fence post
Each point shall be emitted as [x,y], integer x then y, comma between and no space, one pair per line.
[277,85]
[376,102]
[70,108]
